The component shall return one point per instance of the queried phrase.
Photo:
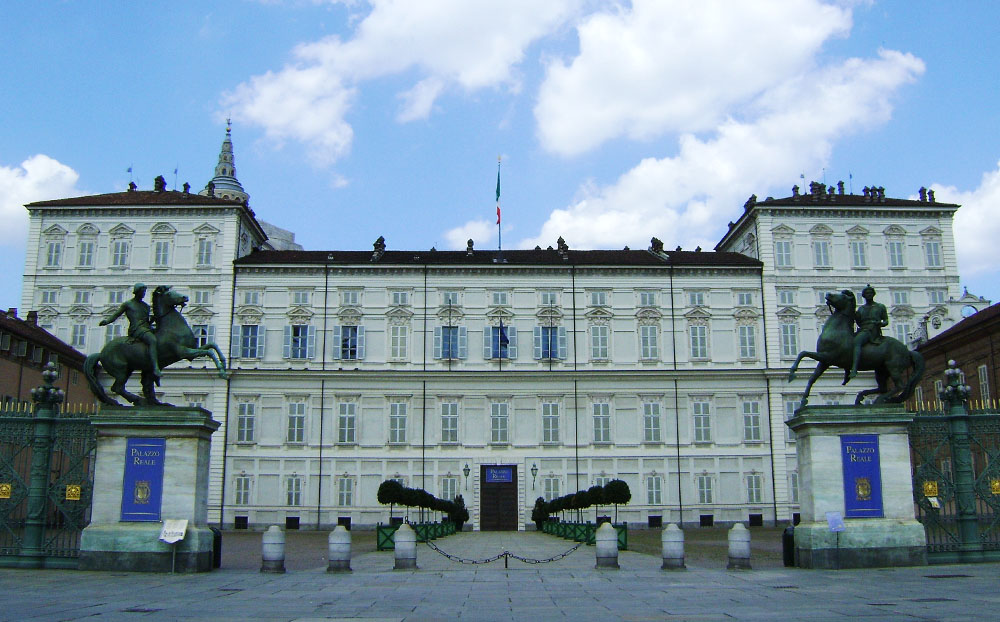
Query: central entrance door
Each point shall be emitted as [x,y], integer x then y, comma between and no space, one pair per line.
[498,498]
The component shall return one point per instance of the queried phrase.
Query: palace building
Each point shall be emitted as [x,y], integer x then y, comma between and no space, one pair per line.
[558,368]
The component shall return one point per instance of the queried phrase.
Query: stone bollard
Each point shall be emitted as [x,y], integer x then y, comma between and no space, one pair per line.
[272,551]
[339,555]
[405,552]
[739,548]
[606,539]
[673,548]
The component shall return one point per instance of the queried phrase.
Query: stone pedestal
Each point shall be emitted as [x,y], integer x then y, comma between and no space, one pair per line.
[110,543]
[893,539]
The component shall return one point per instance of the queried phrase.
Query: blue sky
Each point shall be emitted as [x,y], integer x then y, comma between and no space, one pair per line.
[616,121]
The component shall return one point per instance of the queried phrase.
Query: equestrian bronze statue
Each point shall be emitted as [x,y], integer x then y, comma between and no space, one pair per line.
[887,357]
[157,337]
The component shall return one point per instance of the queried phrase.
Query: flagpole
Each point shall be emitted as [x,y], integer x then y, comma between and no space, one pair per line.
[499,230]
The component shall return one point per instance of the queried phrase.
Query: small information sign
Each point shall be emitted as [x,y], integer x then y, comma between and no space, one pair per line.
[835,521]
[142,488]
[174,530]
[499,474]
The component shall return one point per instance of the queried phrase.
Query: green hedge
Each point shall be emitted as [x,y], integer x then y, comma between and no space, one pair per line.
[391,492]
[616,492]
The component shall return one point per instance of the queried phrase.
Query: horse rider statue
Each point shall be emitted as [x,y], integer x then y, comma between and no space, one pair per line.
[870,318]
[139,326]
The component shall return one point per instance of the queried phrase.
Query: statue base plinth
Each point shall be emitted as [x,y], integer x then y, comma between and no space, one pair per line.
[115,539]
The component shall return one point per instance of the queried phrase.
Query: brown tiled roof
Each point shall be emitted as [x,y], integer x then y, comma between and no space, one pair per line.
[138,197]
[971,323]
[37,335]
[511,258]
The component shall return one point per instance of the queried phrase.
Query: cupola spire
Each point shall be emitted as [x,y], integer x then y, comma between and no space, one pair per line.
[225,185]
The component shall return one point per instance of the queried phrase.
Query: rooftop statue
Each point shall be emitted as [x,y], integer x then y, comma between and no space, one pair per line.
[155,340]
[839,345]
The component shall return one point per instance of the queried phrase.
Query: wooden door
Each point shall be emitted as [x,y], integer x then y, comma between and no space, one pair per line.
[498,498]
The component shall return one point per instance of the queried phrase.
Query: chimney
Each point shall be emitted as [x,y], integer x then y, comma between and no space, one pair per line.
[12,312]
[32,318]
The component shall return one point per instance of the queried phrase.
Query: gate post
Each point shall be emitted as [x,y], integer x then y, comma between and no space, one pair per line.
[46,399]
[955,396]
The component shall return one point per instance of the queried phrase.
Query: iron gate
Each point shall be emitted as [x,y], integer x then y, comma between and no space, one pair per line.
[46,480]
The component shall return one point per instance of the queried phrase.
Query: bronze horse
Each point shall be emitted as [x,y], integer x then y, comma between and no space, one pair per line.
[175,341]
[888,359]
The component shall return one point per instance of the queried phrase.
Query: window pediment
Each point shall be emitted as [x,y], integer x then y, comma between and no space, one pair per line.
[894,230]
[163,228]
[745,315]
[299,315]
[789,313]
[902,311]
[698,313]
[87,229]
[931,232]
[80,311]
[821,230]
[200,315]
[598,313]
[206,229]
[250,315]
[549,314]
[121,230]
[48,311]
[857,230]
[651,315]
[450,315]
[782,230]
[347,315]
[399,315]
[55,230]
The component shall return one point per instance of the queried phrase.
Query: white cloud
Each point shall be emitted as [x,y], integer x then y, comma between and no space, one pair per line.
[676,66]
[686,199]
[473,44]
[977,227]
[39,178]
[479,231]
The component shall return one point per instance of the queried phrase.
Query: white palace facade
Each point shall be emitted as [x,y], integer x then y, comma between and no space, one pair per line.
[664,368]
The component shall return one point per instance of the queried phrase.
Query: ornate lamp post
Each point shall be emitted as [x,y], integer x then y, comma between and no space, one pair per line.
[955,397]
[465,471]
[534,474]
[47,399]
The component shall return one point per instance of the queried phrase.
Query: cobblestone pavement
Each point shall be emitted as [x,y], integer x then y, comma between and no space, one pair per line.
[568,589]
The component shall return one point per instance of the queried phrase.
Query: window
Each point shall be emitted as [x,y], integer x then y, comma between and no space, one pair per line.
[450,342]
[599,342]
[400,299]
[598,299]
[50,296]
[347,422]
[859,254]
[204,334]
[902,331]
[449,488]
[81,297]
[900,297]
[751,421]
[651,422]
[350,342]
[793,486]
[647,299]
[114,331]
[984,384]
[704,489]
[53,254]
[748,342]
[602,480]
[602,422]
[205,252]
[248,341]
[550,299]
[696,299]
[161,253]
[918,394]
[895,249]
[744,299]
[550,422]
[654,490]
[242,490]
[449,422]
[85,255]
[251,297]
[647,342]
[821,253]
[300,297]
[397,422]
[350,297]
[550,342]
[699,341]
[502,342]
[791,405]
[398,338]
[296,432]
[499,299]
[938,387]
[293,490]
[499,423]
[789,339]
[246,419]
[449,299]
[345,492]
[196,400]
[932,251]
[119,253]
[701,411]
[202,296]
[936,296]
[550,488]
[79,338]
[116,297]
[783,253]
[786,297]
[755,488]
[299,342]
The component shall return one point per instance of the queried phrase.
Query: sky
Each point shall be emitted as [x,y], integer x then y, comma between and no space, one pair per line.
[614,121]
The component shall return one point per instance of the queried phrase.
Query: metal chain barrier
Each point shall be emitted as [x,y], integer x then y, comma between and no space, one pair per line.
[505,555]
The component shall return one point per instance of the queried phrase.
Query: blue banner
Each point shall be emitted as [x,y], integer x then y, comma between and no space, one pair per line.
[862,476]
[499,474]
[142,490]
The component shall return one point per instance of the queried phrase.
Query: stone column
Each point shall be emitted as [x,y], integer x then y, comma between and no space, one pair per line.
[890,535]
[117,540]
[606,541]
[405,548]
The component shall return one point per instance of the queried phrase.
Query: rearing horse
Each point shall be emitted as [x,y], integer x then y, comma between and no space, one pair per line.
[175,341]
[835,348]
